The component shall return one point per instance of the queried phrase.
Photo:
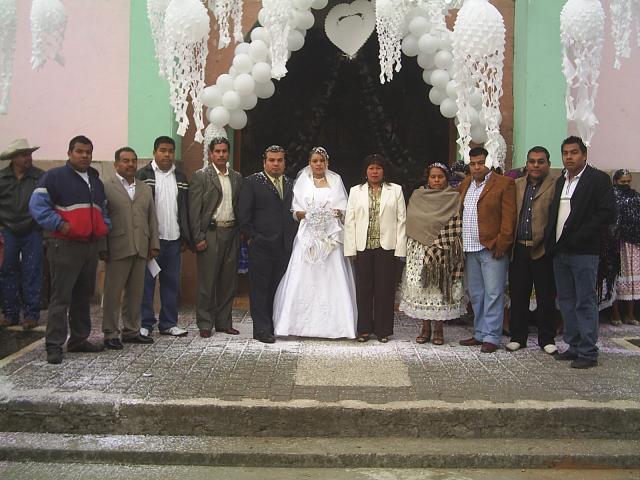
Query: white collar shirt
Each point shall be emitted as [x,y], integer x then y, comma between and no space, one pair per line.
[224,212]
[470,229]
[129,187]
[564,209]
[166,202]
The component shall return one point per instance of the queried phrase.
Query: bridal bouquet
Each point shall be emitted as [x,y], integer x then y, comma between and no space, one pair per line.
[320,220]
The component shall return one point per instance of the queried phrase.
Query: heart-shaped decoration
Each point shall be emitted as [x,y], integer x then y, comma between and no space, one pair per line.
[349,25]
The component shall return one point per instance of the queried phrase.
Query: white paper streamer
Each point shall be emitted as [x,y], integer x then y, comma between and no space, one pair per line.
[156,10]
[7,50]
[390,19]
[224,10]
[276,23]
[625,15]
[48,25]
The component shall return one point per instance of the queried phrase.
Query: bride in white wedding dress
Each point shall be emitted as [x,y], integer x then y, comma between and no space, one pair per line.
[316,297]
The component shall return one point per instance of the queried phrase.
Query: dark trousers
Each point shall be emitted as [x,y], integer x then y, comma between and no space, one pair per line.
[169,262]
[73,280]
[375,291]
[217,279]
[267,265]
[525,273]
[21,275]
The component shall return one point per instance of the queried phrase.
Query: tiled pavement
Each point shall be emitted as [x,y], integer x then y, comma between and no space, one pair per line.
[237,368]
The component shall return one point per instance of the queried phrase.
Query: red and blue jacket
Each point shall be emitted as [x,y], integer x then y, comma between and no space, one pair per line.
[63,196]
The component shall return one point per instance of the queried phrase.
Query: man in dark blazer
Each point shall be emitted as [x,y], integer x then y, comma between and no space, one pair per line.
[530,265]
[582,208]
[214,191]
[133,240]
[268,226]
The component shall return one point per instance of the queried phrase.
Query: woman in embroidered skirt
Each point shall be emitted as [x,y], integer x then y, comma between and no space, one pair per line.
[628,282]
[432,282]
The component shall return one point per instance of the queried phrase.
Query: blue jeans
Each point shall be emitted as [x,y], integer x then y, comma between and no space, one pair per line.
[169,261]
[22,275]
[486,279]
[576,279]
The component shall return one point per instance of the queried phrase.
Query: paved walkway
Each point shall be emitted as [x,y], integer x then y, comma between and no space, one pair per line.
[237,368]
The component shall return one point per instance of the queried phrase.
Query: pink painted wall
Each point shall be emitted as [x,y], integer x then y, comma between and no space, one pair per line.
[88,96]
[618,108]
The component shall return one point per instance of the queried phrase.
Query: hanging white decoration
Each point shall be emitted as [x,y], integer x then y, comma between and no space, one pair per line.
[582,36]
[48,25]
[390,18]
[223,10]
[210,133]
[186,27]
[625,15]
[478,52]
[349,25]
[7,50]
[501,151]
[156,10]
[277,27]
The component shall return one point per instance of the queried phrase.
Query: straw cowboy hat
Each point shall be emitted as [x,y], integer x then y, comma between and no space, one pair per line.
[20,145]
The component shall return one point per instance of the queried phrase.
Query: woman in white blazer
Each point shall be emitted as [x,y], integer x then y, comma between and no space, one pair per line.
[374,234]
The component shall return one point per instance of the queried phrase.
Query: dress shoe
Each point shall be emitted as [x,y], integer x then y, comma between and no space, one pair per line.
[175,332]
[137,339]
[113,344]
[470,342]
[84,346]
[567,355]
[29,324]
[583,363]
[264,337]
[204,333]
[513,346]
[550,348]
[488,347]
[54,358]
[230,331]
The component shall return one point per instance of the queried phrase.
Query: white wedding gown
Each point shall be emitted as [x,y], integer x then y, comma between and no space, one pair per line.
[316,298]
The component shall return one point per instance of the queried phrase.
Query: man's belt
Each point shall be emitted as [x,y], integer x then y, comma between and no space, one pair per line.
[526,243]
[222,224]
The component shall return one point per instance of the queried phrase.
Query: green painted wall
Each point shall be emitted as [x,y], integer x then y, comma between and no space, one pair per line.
[150,114]
[538,85]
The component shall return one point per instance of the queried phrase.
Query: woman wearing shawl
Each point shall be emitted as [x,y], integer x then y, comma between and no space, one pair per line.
[628,229]
[432,282]
[316,296]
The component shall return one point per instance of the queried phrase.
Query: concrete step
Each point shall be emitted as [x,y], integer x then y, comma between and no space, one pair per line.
[380,452]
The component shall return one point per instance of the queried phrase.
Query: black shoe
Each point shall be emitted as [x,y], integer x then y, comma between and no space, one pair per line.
[137,339]
[84,346]
[567,355]
[583,363]
[265,337]
[54,358]
[113,344]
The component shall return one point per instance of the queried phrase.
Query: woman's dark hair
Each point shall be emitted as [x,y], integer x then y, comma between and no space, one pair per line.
[620,173]
[442,166]
[375,159]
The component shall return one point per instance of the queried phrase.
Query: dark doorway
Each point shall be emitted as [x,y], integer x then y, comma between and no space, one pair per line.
[329,100]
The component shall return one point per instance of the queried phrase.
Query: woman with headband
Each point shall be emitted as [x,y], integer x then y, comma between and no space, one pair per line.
[316,296]
[432,281]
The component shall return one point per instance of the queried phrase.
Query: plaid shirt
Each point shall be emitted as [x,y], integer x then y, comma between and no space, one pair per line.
[470,231]
[524,231]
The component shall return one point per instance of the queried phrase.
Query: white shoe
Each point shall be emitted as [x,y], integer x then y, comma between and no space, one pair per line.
[145,332]
[174,332]
[513,346]
[550,348]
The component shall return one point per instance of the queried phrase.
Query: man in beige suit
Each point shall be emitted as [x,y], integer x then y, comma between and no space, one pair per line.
[132,241]
[213,211]
[530,265]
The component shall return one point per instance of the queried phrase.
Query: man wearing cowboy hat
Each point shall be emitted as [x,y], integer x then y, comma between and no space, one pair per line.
[21,272]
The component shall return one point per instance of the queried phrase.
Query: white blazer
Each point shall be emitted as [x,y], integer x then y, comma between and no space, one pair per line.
[393,215]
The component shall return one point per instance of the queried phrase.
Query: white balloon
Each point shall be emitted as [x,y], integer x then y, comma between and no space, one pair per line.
[232,71]
[242,63]
[295,41]
[303,19]
[319,4]
[448,108]
[445,42]
[262,14]
[259,33]
[475,99]
[247,102]
[244,84]
[425,60]
[219,116]
[258,51]
[428,43]
[261,72]
[474,117]
[410,46]
[211,96]
[437,96]
[417,12]
[419,25]
[426,76]
[242,48]
[237,119]
[231,100]
[440,78]
[302,4]
[225,82]
[265,90]
[451,90]
[478,134]
[443,59]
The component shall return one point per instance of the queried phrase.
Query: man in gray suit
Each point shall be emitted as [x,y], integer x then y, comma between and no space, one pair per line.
[133,240]
[213,211]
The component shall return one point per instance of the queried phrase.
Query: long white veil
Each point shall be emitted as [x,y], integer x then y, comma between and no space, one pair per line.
[304,187]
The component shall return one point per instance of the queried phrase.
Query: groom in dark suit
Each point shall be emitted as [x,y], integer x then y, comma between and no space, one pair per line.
[268,226]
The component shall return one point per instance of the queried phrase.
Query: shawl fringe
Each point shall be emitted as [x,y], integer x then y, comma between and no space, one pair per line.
[444,258]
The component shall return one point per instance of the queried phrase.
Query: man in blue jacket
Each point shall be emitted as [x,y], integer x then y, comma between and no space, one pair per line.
[70,203]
